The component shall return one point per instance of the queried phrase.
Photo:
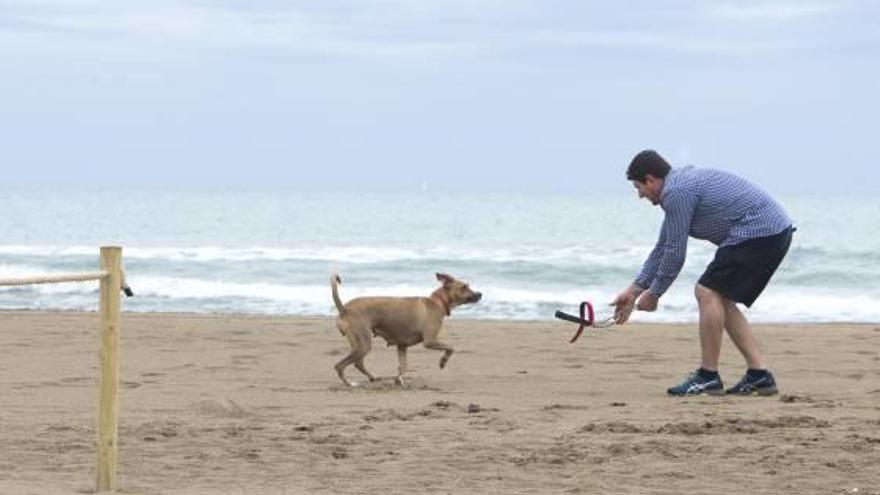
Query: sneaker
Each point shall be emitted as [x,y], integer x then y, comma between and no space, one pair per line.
[696,384]
[750,385]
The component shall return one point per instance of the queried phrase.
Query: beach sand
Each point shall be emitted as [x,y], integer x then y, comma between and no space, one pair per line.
[251,404]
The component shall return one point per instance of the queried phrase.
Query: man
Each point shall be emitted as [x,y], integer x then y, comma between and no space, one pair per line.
[753,233]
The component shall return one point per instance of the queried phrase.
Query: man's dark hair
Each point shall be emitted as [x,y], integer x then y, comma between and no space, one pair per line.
[647,162]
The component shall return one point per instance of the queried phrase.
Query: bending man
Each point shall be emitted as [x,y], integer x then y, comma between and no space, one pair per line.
[753,233]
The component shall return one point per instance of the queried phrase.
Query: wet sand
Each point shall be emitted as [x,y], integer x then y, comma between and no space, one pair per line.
[246,404]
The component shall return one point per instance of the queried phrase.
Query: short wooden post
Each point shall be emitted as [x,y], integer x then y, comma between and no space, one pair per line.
[108,412]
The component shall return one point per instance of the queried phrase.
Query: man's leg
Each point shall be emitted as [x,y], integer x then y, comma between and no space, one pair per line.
[757,380]
[712,317]
[706,379]
[741,334]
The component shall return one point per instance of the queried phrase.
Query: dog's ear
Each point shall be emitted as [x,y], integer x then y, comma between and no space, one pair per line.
[444,278]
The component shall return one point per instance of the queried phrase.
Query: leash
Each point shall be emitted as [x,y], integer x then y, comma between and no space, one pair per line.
[587,319]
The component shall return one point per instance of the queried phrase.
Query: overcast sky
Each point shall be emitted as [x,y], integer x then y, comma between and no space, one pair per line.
[501,95]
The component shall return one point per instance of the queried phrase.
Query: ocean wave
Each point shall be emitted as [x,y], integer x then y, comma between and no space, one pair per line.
[811,266]
[356,255]
[162,294]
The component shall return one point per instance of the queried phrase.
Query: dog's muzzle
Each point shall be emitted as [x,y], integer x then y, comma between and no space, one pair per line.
[476,297]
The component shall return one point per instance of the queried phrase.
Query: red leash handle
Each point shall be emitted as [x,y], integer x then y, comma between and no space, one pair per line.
[584,322]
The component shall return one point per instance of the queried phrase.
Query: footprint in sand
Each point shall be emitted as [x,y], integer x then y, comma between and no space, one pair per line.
[245,360]
[221,409]
[564,407]
[153,431]
[74,380]
[737,425]
[727,426]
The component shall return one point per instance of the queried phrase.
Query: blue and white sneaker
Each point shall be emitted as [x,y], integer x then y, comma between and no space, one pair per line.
[753,385]
[696,384]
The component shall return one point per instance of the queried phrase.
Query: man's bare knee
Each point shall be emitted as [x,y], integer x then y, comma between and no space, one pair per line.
[706,295]
[729,305]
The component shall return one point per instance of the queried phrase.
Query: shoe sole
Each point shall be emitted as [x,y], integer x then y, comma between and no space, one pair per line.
[714,392]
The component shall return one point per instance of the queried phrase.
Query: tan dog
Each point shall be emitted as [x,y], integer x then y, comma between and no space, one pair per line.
[402,321]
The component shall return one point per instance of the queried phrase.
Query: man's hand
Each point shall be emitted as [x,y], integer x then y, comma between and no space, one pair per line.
[623,303]
[647,301]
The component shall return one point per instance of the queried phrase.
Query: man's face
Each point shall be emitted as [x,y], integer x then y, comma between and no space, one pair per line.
[650,189]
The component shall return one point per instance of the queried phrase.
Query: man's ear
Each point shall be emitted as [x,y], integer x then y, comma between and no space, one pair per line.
[444,277]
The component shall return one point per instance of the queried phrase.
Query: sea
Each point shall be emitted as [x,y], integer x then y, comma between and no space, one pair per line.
[271,252]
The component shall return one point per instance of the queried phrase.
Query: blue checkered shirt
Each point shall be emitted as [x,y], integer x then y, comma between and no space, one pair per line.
[707,204]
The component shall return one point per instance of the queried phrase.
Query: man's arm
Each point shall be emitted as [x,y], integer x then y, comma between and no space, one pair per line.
[626,300]
[665,261]
[679,208]
[649,268]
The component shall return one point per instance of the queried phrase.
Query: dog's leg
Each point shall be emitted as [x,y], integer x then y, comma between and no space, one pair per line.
[341,365]
[355,357]
[365,344]
[440,346]
[361,342]
[359,364]
[401,361]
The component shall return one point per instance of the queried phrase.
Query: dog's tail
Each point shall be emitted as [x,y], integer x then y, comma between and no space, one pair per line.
[334,287]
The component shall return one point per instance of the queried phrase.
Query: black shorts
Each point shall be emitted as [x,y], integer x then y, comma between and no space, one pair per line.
[740,272]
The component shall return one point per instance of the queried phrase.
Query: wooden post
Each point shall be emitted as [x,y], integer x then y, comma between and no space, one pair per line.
[108,412]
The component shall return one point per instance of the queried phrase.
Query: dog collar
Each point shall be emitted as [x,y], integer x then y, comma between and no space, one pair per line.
[437,297]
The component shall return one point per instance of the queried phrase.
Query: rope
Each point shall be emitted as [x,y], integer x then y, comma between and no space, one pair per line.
[53,279]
